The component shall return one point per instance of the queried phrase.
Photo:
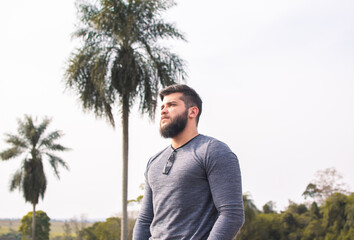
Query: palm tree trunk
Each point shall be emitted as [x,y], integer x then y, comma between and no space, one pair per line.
[34,222]
[125,125]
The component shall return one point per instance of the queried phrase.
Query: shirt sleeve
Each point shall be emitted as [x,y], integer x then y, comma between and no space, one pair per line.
[146,215]
[224,178]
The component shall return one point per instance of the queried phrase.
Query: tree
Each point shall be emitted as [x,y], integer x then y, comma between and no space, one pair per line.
[107,230]
[251,213]
[347,232]
[250,208]
[333,220]
[110,229]
[67,231]
[337,220]
[269,207]
[326,183]
[79,225]
[42,226]
[32,144]
[267,226]
[120,61]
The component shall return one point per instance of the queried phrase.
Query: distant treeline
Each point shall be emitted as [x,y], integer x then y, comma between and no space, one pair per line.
[332,220]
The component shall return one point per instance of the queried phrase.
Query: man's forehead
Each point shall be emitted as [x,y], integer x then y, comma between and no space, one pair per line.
[173,97]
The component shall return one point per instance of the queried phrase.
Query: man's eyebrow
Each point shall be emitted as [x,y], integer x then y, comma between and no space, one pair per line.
[172,101]
[168,103]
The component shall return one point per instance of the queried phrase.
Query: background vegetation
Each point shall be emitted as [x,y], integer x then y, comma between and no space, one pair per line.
[329,215]
[334,220]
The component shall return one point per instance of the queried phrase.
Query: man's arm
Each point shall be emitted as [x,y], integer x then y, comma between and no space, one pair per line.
[146,214]
[225,183]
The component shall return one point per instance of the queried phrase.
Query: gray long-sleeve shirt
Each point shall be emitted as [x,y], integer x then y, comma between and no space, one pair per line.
[200,198]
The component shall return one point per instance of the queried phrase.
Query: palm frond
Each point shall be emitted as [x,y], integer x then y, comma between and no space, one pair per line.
[15,140]
[55,161]
[18,147]
[162,30]
[29,131]
[11,153]
[43,126]
[167,65]
[86,74]
[26,128]
[16,180]
[57,147]
[50,138]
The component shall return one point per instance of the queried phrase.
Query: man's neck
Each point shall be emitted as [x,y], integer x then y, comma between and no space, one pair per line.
[184,137]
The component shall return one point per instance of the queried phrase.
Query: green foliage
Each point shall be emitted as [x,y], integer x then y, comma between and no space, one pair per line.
[348,228]
[269,207]
[333,220]
[264,226]
[311,191]
[110,229]
[137,200]
[42,226]
[337,216]
[250,208]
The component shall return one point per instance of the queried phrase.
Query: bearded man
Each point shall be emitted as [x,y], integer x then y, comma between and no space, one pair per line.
[192,187]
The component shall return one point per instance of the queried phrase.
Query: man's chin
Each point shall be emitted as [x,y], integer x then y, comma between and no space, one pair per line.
[165,132]
[164,125]
[164,122]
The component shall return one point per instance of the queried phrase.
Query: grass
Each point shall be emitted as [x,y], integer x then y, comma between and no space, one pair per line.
[9,225]
[56,227]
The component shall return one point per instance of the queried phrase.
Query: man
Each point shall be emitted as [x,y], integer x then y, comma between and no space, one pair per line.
[193,187]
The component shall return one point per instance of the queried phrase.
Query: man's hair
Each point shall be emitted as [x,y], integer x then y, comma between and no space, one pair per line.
[190,97]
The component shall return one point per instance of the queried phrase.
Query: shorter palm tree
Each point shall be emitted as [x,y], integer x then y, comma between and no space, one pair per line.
[32,144]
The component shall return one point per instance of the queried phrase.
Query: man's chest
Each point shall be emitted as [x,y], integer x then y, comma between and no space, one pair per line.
[186,170]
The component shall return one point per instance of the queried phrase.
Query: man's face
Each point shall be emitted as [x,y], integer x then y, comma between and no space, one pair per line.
[174,115]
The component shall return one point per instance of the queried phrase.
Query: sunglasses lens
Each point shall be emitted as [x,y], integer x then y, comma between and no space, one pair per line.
[169,163]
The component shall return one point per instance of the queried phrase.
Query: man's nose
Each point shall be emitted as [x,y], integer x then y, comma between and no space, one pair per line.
[163,111]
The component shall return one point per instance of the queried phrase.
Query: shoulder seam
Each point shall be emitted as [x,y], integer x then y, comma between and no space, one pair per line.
[155,156]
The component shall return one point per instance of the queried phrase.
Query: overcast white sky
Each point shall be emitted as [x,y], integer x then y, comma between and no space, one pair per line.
[276,78]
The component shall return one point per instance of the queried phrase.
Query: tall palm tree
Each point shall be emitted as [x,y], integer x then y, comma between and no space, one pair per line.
[121,60]
[33,144]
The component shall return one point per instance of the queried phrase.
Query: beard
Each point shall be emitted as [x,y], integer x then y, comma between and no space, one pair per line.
[176,126]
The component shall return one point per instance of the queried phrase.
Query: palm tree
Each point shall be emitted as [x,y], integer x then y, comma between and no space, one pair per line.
[32,144]
[121,61]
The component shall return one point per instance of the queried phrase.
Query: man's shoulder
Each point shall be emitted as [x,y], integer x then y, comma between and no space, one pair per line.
[211,141]
[158,154]
[214,147]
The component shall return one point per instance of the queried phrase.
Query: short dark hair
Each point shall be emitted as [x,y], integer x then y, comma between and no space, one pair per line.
[190,96]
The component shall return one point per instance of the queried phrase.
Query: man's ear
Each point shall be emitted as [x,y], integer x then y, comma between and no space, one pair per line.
[193,112]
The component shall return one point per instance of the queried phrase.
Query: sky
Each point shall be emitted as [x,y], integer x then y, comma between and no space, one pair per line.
[276,78]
